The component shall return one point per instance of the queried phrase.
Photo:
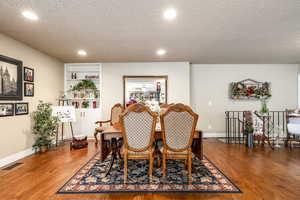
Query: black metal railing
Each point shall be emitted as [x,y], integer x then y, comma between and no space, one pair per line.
[235,123]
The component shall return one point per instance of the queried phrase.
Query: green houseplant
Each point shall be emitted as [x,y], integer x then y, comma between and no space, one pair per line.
[44,127]
[85,84]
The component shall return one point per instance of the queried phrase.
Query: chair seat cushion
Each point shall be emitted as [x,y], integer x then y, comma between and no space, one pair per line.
[173,152]
[294,129]
[135,153]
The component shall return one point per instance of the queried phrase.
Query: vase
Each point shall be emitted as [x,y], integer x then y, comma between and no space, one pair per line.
[264,108]
[249,140]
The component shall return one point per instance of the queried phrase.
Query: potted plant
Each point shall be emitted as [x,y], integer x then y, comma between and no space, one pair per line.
[85,84]
[45,126]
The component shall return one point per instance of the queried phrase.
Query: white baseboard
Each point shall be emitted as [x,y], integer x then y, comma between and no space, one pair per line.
[14,157]
[208,135]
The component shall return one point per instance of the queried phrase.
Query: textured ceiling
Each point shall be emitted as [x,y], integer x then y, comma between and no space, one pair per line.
[205,31]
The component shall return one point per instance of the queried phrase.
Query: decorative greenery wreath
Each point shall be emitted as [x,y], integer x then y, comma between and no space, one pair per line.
[240,90]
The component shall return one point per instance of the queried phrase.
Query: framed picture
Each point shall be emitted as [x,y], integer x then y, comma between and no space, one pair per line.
[10,79]
[6,109]
[145,89]
[28,74]
[21,109]
[28,89]
[250,89]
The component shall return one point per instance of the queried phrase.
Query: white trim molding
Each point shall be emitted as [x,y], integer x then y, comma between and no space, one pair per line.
[214,135]
[14,157]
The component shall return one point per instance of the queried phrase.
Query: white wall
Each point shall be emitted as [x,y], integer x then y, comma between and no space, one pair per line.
[178,81]
[210,90]
[15,131]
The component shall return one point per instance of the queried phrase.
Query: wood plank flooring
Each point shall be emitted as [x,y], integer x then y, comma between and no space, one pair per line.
[260,173]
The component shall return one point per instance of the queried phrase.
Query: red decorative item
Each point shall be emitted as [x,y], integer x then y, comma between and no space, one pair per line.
[132,101]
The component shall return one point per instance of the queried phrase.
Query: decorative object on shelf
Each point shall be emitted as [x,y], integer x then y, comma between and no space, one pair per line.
[45,126]
[85,85]
[250,89]
[92,77]
[6,109]
[10,79]
[145,88]
[21,109]
[28,74]
[73,75]
[28,89]
[85,104]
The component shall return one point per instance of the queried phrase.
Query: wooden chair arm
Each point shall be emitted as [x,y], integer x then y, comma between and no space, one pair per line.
[102,122]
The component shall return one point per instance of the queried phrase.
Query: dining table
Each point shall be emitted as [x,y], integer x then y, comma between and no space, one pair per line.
[113,134]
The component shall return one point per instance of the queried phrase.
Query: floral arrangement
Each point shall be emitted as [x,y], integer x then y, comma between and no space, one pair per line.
[250,89]
[85,104]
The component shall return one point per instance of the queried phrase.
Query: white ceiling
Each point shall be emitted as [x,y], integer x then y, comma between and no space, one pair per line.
[205,31]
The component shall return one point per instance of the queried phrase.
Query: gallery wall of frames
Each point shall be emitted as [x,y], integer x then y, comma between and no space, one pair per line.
[16,81]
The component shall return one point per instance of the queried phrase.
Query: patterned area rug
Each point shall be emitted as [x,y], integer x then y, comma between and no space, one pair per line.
[206,178]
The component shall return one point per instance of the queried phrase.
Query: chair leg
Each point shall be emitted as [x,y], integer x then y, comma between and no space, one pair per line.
[125,166]
[150,167]
[190,166]
[164,165]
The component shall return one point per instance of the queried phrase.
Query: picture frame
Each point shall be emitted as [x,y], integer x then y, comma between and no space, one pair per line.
[28,74]
[249,89]
[145,90]
[10,79]
[28,89]
[21,108]
[6,109]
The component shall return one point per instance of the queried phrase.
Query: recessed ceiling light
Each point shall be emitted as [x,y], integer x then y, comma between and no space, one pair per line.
[30,15]
[170,14]
[81,52]
[161,52]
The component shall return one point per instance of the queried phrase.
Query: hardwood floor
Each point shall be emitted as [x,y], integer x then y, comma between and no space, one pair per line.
[260,173]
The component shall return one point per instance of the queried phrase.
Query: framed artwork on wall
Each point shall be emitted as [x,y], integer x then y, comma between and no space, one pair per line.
[28,74]
[28,89]
[21,109]
[145,89]
[6,109]
[10,79]
[250,89]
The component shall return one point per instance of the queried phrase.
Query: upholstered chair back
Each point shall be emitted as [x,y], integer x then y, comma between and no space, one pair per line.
[138,127]
[116,111]
[164,107]
[178,125]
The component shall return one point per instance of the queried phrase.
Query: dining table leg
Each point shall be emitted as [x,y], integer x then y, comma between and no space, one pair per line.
[116,145]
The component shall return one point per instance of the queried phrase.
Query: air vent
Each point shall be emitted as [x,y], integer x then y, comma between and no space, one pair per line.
[12,166]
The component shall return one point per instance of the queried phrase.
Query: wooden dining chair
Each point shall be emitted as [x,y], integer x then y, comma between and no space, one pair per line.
[178,128]
[164,107]
[138,129]
[116,111]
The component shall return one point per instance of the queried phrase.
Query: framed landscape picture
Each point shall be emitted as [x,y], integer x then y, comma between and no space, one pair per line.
[28,74]
[21,109]
[6,109]
[28,89]
[10,79]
